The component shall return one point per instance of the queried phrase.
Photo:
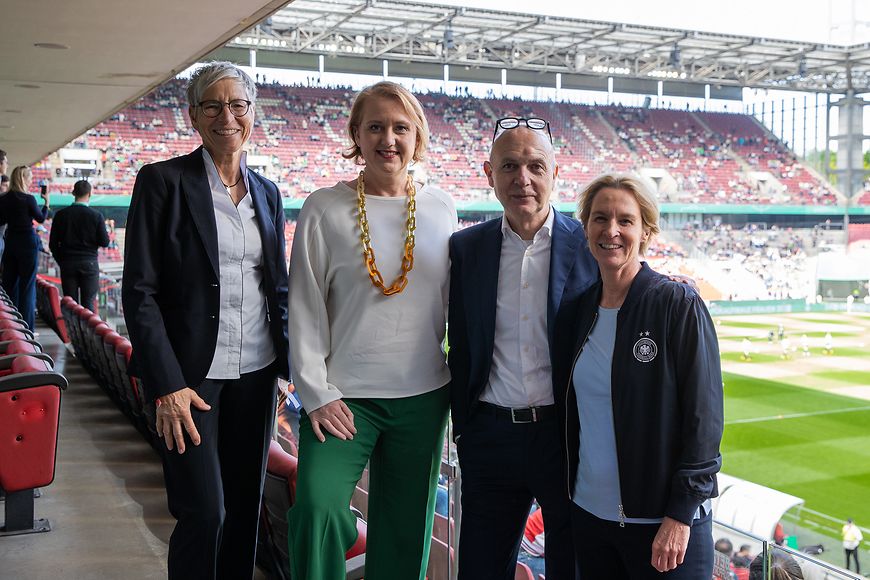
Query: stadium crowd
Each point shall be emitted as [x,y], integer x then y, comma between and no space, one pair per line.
[695,157]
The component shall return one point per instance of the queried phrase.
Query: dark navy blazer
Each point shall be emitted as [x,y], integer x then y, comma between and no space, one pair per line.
[171,285]
[475,255]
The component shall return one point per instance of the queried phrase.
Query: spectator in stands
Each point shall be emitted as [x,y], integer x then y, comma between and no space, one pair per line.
[77,232]
[205,300]
[647,396]
[724,546]
[367,358]
[742,558]
[520,266]
[533,543]
[4,188]
[780,566]
[18,210]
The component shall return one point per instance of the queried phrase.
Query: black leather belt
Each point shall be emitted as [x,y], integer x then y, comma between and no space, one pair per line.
[524,415]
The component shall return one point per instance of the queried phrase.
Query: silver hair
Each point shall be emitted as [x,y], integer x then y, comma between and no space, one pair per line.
[208,74]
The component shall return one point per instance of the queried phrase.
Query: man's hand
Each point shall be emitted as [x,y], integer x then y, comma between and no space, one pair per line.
[669,545]
[336,418]
[173,413]
[685,280]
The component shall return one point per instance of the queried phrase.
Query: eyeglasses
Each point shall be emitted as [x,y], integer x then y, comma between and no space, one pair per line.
[238,107]
[533,123]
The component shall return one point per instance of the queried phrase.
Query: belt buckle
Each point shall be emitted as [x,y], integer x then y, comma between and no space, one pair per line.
[534,418]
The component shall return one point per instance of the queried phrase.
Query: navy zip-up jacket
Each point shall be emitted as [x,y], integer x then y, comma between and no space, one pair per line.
[666,393]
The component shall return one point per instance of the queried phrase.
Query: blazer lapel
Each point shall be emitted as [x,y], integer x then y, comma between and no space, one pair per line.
[563,256]
[488,258]
[264,223]
[197,192]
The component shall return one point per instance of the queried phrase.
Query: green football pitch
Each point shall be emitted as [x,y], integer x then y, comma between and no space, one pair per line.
[797,416]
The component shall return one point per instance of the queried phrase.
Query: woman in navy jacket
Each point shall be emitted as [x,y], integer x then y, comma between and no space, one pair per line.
[18,209]
[639,389]
[205,301]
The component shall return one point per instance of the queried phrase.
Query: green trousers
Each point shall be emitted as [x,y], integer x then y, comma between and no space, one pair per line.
[402,440]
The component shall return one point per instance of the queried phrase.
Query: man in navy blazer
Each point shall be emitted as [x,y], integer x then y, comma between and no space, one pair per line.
[508,277]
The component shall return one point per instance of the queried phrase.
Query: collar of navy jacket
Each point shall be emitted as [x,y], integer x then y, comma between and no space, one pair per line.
[197,192]
[567,238]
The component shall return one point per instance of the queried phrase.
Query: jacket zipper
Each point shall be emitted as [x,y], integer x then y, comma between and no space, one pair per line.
[620,510]
[567,392]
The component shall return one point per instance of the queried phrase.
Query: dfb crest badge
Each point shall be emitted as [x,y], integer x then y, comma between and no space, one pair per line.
[645,349]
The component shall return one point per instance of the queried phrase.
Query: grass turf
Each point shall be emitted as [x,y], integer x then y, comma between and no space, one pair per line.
[822,455]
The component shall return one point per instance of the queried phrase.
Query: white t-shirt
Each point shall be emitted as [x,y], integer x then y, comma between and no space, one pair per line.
[346,338]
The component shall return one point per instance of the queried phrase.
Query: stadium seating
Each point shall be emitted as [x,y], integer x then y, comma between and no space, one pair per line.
[523,572]
[29,412]
[279,492]
[299,135]
[48,307]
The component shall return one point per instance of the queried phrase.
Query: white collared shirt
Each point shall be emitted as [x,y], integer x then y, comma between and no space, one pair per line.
[521,374]
[244,343]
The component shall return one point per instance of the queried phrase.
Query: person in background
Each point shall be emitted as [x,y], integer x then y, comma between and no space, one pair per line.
[533,544]
[4,188]
[852,537]
[205,301]
[742,558]
[780,566]
[368,288]
[637,372]
[77,232]
[18,209]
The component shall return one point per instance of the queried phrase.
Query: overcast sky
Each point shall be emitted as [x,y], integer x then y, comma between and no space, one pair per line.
[823,21]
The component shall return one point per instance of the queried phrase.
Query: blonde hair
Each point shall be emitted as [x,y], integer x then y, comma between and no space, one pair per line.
[649,209]
[19,178]
[413,108]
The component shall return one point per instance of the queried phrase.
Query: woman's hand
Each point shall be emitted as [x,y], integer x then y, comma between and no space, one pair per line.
[669,545]
[173,413]
[336,418]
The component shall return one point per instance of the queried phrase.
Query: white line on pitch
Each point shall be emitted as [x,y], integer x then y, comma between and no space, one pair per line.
[796,415]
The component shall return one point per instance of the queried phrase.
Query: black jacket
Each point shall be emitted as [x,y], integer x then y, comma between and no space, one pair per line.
[77,232]
[19,209]
[171,285]
[666,393]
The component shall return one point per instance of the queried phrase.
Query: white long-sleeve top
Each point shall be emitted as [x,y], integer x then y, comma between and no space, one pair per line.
[348,340]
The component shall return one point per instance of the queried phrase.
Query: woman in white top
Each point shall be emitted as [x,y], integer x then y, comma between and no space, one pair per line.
[369,281]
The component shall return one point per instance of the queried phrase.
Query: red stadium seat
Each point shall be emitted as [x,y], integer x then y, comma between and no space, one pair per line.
[59,324]
[279,493]
[441,557]
[29,411]
[6,324]
[524,572]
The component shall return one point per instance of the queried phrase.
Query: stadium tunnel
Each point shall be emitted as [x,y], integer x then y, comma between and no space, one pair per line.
[750,507]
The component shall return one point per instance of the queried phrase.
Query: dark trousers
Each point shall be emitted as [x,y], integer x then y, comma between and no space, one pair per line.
[80,280]
[19,272]
[214,489]
[504,467]
[852,554]
[606,550]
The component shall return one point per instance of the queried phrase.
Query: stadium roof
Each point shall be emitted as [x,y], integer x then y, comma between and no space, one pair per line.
[423,37]
[69,65]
